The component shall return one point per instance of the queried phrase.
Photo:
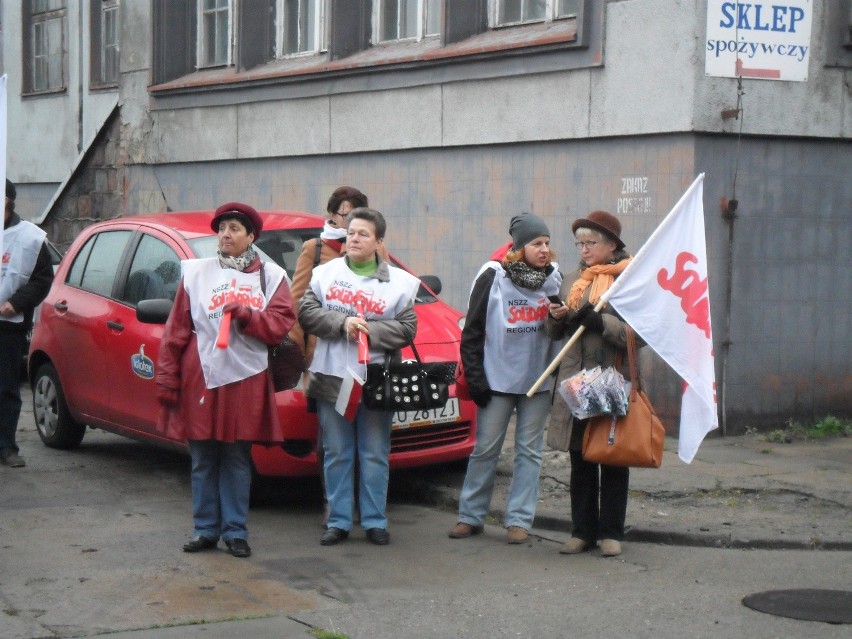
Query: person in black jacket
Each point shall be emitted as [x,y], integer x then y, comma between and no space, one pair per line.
[25,280]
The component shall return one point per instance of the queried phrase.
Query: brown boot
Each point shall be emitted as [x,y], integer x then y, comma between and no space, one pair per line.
[610,548]
[516,535]
[462,530]
[574,546]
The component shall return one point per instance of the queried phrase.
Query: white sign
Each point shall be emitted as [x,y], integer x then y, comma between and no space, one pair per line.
[761,39]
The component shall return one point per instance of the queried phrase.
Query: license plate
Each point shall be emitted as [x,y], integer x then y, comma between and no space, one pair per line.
[449,412]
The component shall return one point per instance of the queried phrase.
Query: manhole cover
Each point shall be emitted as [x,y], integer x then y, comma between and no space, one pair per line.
[830,606]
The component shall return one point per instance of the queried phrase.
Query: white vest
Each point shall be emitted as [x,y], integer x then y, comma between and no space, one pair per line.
[517,350]
[337,287]
[210,287]
[21,246]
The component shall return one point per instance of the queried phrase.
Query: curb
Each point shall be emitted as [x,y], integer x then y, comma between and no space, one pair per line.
[446,498]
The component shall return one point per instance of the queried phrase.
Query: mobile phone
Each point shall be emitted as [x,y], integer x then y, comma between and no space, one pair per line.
[554,299]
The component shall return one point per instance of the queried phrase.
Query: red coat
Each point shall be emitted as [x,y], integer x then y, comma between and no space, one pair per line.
[240,411]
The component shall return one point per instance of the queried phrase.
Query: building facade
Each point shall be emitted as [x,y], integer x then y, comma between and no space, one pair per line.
[454,115]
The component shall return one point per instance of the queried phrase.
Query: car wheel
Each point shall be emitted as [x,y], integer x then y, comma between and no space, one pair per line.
[54,423]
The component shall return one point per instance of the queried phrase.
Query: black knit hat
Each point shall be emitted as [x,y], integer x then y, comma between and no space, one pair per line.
[11,191]
[524,228]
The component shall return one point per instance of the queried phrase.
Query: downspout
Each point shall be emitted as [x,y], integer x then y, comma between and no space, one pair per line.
[729,214]
[80,62]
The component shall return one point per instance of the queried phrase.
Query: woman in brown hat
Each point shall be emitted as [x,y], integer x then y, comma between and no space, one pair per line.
[219,398]
[598,492]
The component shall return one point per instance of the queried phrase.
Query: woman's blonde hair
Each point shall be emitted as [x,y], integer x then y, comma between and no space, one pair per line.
[517,255]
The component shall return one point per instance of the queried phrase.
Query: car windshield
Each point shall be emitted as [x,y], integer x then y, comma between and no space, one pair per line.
[283,246]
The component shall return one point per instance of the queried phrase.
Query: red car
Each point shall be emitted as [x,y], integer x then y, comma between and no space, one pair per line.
[92,361]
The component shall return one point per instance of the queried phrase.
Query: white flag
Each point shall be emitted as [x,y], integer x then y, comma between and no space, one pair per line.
[663,295]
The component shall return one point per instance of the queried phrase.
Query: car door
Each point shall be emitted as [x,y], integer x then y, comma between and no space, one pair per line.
[153,273]
[80,315]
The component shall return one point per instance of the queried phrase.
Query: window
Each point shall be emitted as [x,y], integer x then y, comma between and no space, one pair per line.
[408,19]
[508,12]
[214,33]
[44,45]
[94,268]
[154,272]
[302,26]
[103,16]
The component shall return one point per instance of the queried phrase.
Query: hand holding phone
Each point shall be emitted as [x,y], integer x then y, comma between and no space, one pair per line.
[554,299]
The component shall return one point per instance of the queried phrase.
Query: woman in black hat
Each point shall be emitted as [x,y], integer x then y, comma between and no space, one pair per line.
[598,492]
[504,350]
[216,393]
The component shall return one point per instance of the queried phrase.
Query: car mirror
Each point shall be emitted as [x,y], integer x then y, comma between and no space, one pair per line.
[154,311]
[433,282]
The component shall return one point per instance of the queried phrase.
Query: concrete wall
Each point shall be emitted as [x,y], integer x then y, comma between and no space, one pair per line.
[651,81]
[46,133]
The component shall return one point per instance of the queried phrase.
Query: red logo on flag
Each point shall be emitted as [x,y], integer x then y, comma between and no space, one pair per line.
[691,289]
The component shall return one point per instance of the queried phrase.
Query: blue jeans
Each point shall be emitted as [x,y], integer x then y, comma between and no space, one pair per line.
[367,439]
[221,484]
[491,424]
[12,348]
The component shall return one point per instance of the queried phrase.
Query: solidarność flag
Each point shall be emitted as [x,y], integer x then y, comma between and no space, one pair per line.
[663,294]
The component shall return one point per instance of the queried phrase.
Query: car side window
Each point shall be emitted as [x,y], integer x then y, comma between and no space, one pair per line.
[154,272]
[95,266]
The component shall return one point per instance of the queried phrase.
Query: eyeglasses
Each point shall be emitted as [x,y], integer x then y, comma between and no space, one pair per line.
[589,245]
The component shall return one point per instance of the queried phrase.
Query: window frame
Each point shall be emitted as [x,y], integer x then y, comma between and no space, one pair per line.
[30,20]
[320,29]
[98,10]
[202,46]
[550,14]
[421,13]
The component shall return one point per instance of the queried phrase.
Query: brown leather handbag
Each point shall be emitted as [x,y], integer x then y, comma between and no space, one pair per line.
[286,360]
[637,439]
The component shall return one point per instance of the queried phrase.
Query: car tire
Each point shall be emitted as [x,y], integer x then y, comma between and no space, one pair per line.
[53,420]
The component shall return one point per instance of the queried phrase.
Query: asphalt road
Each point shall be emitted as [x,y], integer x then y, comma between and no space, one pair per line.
[90,544]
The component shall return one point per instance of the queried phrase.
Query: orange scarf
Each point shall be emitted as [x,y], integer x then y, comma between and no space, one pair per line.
[599,277]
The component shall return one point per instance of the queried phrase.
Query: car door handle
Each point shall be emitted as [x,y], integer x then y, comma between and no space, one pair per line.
[116,325]
[60,306]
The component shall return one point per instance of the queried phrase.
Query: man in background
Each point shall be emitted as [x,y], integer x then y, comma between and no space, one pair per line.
[25,280]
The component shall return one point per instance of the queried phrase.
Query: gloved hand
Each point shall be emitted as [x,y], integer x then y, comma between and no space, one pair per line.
[238,312]
[480,395]
[590,318]
[168,396]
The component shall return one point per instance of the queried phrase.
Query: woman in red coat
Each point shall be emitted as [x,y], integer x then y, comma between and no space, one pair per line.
[220,398]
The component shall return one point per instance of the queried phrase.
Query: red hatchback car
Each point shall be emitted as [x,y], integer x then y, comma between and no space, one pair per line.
[92,361]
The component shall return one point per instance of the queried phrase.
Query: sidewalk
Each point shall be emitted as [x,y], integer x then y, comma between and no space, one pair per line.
[739,492]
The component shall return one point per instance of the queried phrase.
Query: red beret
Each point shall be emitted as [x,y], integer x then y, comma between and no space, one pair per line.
[243,212]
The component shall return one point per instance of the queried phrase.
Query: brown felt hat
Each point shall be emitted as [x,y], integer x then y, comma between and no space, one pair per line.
[604,222]
[246,214]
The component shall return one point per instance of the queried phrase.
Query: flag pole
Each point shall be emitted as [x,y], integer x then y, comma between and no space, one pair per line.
[560,355]
[615,286]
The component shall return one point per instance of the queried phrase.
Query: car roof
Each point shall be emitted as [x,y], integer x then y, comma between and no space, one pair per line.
[197,223]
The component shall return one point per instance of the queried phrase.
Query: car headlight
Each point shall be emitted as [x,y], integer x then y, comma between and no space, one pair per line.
[461,321]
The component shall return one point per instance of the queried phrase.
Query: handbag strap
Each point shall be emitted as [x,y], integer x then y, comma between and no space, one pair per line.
[262,280]
[632,362]
[389,354]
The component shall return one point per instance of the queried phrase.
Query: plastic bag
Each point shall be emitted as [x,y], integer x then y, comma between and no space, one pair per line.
[595,392]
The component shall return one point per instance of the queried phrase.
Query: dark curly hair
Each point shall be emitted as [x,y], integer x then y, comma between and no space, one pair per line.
[346,193]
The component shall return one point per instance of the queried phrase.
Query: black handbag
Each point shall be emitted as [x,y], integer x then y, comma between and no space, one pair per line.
[408,385]
[286,360]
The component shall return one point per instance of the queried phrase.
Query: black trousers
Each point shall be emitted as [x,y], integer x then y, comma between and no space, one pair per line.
[13,345]
[598,499]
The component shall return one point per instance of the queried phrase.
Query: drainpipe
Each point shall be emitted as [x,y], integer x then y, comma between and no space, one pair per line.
[80,63]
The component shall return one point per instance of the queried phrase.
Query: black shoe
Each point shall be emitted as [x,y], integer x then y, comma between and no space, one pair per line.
[333,536]
[378,536]
[238,547]
[199,543]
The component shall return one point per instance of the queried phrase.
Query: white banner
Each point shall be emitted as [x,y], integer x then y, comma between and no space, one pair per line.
[663,294]
[761,39]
